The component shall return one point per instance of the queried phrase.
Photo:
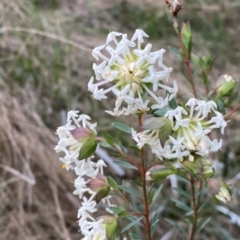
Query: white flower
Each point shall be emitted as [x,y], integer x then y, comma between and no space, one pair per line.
[80,127]
[190,131]
[127,66]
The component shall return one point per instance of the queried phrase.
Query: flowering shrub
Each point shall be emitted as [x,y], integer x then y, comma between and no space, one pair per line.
[179,135]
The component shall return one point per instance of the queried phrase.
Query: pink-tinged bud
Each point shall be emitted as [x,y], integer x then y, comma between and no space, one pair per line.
[82,134]
[219,189]
[159,172]
[109,223]
[100,185]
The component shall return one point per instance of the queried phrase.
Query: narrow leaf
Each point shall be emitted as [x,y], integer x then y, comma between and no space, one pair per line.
[122,214]
[124,164]
[131,224]
[112,183]
[108,138]
[135,148]
[134,236]
[161,112]
[204,224]
[173,103]
[181,205]
[182,192]
[176,225]
[136,182]
[87,149]
[122,127]
[154,222]
[130,191]
[116,210]
[104,144]
[176,52]
[156,194]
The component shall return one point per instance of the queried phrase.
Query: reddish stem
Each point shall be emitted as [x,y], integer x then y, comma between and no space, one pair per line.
[143,178]
[232,112]
[187,64]
[195,203]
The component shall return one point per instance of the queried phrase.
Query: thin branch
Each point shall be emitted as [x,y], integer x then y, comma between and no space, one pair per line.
[232,112]
[143,178]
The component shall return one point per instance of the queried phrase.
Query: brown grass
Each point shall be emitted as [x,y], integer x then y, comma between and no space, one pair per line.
[33,185]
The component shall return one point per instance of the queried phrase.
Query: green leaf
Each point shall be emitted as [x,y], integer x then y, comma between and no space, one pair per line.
[122,127]
[239,97]
[130,191]
[122,214]
[204,224]
[116,210]
[121,147]
[102,194]
[135,148]
[153,123]
[182,192]
[161,112]
[154,222]
[108,138]
[134,236]
[196,60]
[189,213]
[204,78]
[112,183]
[131,224]
[156,194]
[187,38]
[150,196]
[124,164]
[104,144]
[176,52]
[176,225]
[137,183]
[173,103]
[181,205]
[220,106]
[87,149]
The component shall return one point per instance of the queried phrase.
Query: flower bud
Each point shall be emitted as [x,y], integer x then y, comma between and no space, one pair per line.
[82,134]
[159,172]
[110,225]
[226,86]
[99,185]
[208,169]
[219,189]
[194,167]
[201,166]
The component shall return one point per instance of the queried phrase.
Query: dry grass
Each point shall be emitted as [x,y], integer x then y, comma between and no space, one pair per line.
[33,185]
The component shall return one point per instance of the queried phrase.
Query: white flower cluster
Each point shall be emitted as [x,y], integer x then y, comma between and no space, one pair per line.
[190,129]
[85,170]
[129,72]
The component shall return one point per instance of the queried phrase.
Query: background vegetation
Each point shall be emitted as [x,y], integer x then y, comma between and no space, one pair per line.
[45,64]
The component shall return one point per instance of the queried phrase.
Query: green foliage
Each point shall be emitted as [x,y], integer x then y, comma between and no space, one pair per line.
[122,127]
[108,138]
[124,164]
[112,183]
[131,224]
[88,149]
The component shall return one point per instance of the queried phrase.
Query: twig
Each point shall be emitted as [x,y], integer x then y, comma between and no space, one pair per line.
[143,177]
